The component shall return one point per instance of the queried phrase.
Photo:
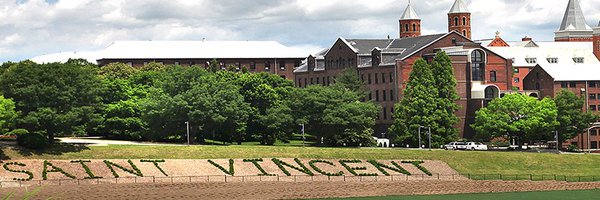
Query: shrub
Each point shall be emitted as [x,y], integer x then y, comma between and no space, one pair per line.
[32,140]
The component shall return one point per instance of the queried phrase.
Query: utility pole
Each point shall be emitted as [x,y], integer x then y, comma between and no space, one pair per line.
[429,131]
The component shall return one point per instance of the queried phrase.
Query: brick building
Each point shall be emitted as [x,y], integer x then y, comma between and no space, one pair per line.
[256,56]
[385,64]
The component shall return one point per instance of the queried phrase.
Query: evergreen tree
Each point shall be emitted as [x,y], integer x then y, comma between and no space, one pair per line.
[445,82]
[417,107]
[349,80]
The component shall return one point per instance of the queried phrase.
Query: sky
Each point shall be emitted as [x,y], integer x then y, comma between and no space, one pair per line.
[29,28]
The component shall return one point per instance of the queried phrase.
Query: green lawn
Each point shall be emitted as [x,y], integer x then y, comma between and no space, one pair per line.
[464,162]
[552,195]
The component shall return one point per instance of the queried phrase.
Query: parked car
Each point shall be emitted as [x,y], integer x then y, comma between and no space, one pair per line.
[476,146]
[456,146]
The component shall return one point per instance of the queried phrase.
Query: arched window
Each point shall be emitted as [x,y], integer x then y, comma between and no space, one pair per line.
[406,27]
[477,65]
[493,76]
[414,27]
[491,93]
[456,21]
[464,33]
[464,21]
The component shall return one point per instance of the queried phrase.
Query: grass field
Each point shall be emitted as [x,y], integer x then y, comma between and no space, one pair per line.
[552,195]
[464,162]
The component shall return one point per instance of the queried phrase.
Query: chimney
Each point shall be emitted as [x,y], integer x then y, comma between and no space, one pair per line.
[526,39]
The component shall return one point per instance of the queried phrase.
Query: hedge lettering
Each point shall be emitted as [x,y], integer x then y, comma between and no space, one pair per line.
[257,165]
[30,174]
[313,162]
[87,169]
[302,167]
[231,170]
[352,170]
[54,170]
[396,168]
[155,162]
[134,170]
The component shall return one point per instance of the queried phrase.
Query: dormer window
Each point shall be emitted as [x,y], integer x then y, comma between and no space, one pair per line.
[531,60]
[578,59]
[552,60]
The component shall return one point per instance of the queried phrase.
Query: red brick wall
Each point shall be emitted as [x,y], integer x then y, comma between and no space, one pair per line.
[523,71]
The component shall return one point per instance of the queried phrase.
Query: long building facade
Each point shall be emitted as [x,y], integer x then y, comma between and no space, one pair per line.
[384,65]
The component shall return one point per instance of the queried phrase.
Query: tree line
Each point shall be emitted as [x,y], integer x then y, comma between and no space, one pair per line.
[154,103]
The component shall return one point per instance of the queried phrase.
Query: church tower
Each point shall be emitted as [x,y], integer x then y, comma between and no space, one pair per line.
[596,40]
[459,19]
[573,27]
[410,23]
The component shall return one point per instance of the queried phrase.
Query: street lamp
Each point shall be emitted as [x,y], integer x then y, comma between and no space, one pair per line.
[303,138]
[187,124]
[557,140]
[428,133]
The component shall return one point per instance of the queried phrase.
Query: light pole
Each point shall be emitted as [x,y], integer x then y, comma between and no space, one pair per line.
[303,138]
[187,124]
[420,136]
[428,133]
[557,140]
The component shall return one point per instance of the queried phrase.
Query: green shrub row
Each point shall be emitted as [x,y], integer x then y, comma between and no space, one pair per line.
[418,165]
[352,170]
[87,169]
[313,162]
[231,170]
[155,162]
[281,165]
[54,169]
[381,166]
[136,171]
[18,171]
[255,162]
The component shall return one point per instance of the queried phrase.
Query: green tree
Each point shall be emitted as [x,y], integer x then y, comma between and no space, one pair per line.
[53,98]
[349,79]
[164,115]
[153,66]
[8,115]
[445,82]
[417,108]
[334,114]
[571,117]
[517,116]
[117,70]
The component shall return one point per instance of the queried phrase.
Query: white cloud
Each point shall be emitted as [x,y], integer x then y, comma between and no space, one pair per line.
[35,27]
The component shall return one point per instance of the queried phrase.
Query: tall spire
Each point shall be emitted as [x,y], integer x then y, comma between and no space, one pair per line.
[459,7]
[574,18]
[409,13]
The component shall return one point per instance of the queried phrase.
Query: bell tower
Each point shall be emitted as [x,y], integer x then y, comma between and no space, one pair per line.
[410,23]
[459,19]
